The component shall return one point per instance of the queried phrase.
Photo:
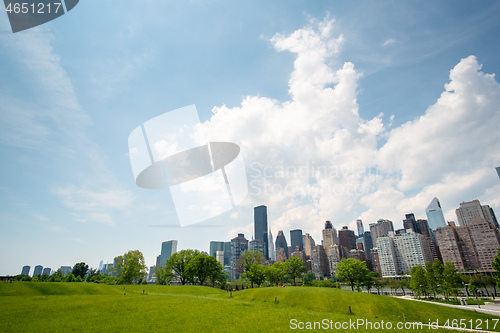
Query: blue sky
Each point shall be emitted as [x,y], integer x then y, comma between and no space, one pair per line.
[349,86]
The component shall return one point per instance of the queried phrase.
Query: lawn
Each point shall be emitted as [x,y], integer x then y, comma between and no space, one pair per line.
[85,307]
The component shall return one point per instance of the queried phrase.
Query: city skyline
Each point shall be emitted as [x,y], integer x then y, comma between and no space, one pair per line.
[342,111]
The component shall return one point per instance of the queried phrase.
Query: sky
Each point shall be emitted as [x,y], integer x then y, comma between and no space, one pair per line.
[342,110]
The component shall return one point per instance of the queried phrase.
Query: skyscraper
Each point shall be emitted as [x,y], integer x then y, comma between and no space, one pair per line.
[435,215]
[473,210]
[411,223]
[270,248]
[38,270]
[347,238]
[308,244]
[296,239]
[46,270]
[216,246]
[260,227]
[281,244]
[239,245]
[167,249]
[329,235]
[26,270]
[379,229]
[359,226]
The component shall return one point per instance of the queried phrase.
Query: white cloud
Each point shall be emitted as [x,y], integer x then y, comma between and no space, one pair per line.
[388,42]
[304,155]
[86,200]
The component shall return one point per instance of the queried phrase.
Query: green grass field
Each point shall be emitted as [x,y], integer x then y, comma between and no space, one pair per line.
[86,307]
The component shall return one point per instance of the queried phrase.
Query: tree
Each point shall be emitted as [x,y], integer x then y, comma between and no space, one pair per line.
[200,267]
[295,267]
[57,276]
[352,270]
[248,258]
[256,274]
[309,277]
[178,262]
[91,274]
[130,267]
[418,282]
[275,273]
[434,275]
[80,269]
[496,265]
[163,275]
[69,278]
[451,279]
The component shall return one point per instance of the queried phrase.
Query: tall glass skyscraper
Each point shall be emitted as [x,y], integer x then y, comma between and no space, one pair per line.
[281,244]
[260,227]
[216,246]
[296,239]
[167,249]
[435,216]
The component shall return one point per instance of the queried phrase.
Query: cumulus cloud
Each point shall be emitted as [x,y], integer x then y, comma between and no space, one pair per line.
[313,157]
[388,42]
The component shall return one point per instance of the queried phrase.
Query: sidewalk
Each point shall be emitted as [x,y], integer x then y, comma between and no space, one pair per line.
[489,308]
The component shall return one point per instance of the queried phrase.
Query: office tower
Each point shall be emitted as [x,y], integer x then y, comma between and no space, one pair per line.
[152,270]
[347,238]
[334,254]
[46,270]
[329,235]
[456,246]
[239,245]
[375,261]
[299,254]
[473,210]
[308,244]
[366,241]
[485,238]
[26,270]
[219,255]
[281,244]
[167,249]
[281,256]
[38,270]
[227,254]
[397,254]
[423,227]
[319,262]
[216,246]
[296,239]
[435,215]
[100,265]
[270,248]
[411,223]
[359,226]
[66,269]
[260,227]
[257,245]
[381,228]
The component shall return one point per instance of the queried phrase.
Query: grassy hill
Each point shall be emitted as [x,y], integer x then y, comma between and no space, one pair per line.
[85,307]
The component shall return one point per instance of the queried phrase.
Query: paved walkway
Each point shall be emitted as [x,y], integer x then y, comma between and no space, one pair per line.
[489,308]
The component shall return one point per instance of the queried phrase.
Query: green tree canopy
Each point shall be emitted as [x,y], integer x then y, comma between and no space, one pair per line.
[295,267]
[163,275]
[201,266]
[418,282]
[248,258]
[256,273]
[178,262]
[131,266]
[353,271]
[275,273]
[80,269]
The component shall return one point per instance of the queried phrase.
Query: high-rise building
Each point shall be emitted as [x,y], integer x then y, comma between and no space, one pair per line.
[257,245]
[227,254]
[216,246]
[296,239]
[281,244]
[299,254]
[319,261]
[411,223]
[46,270]
[435,215]
[239,245]
[329,235]
[219,255]
[270,248]
[308,244]
[380,228]
[366,241]
[347,238]
[260,227]
[38,270]
[359,226]
[334,254]
[424,228]
[486,241]
[66,269]
[473,210]
[455,244]
[167,249]
[151,274]
[26,270]
[397,254]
